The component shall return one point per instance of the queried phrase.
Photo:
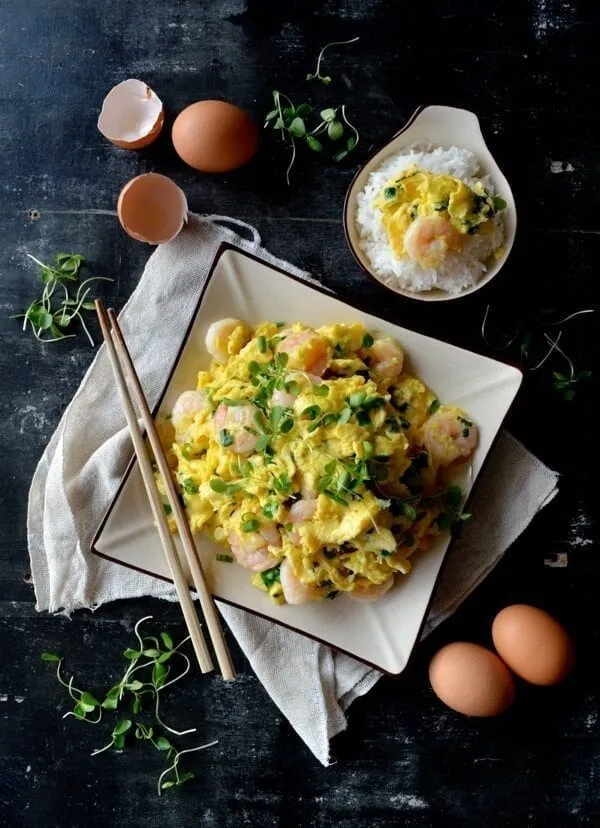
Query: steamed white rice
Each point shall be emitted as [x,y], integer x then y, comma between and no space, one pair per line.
[458,270]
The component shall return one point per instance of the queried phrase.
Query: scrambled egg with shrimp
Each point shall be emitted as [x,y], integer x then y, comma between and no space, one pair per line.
[315,458]
[426,215]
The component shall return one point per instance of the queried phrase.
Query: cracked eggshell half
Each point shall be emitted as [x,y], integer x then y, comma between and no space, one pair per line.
[152,208]
[132,115]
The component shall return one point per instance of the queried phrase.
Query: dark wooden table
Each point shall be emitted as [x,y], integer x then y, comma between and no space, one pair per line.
[528,70]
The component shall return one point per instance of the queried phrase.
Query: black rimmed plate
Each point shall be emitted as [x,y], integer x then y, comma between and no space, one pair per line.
[382,634]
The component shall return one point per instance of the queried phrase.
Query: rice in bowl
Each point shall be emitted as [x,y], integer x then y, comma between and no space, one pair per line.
[458,270]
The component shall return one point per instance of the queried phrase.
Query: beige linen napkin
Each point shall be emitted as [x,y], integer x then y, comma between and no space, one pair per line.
[87,455]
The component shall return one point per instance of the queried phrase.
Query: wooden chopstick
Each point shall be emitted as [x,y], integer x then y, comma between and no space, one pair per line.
[181,586]
[206,602]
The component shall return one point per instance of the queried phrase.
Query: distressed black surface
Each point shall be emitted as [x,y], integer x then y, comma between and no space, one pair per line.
[528,70]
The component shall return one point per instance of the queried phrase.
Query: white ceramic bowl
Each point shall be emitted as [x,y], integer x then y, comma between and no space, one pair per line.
[440,126]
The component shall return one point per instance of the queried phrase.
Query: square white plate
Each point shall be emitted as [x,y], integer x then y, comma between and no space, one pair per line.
[382,634]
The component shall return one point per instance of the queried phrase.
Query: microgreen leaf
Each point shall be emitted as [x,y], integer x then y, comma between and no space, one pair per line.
[335,130]
[167,640]
[262,442]
[122,727]
[86,702]
[189,486]
[48,320]
[314,144]
[316,75]
[297,128]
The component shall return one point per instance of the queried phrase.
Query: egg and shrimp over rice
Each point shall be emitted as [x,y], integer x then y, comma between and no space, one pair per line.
[428,219]
[316,458]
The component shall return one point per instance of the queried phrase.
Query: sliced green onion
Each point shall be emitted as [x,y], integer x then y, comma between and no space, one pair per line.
[224,558]
[262,344]
[367,338]
[286,426]
[292,388]
[225,438]
[250,525]
[357,399]
[190,486]
[270,577]
[321,390]
[311,413]
[269,510]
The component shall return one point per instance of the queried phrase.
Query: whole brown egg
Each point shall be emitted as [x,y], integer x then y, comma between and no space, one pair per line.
[214,136]
[533,644]
[471,680]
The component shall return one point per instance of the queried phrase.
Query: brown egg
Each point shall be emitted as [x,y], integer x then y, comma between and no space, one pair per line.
[533,644]
[214,136]
[152,208]
[471,680]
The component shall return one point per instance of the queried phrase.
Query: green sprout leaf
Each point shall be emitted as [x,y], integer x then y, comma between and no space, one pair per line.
[297,128]
[328,115]
[335,130]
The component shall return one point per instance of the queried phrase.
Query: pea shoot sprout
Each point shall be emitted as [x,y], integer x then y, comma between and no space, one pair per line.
[151,662]
[328,133]
[54,312]
[524,337]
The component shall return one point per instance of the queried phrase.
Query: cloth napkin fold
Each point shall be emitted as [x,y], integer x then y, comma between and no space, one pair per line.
[80,469]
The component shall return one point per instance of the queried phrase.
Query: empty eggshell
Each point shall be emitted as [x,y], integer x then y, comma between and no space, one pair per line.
[533,644]
[152,208]
[132,115]
[471,680]
[214,136]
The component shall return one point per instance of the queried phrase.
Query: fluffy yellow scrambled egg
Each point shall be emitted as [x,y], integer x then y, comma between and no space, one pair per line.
[315,457]
[416,193]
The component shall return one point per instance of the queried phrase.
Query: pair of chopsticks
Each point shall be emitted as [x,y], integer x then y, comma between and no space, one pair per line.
[124,371]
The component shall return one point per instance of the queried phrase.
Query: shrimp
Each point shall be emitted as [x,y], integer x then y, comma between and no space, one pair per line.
[186,407]
[429,238]
[300,512]
[306,350]
[237,422]
[449,436]
[226,337]
[252,550]
[294,591]
[371,593]
[387,358]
